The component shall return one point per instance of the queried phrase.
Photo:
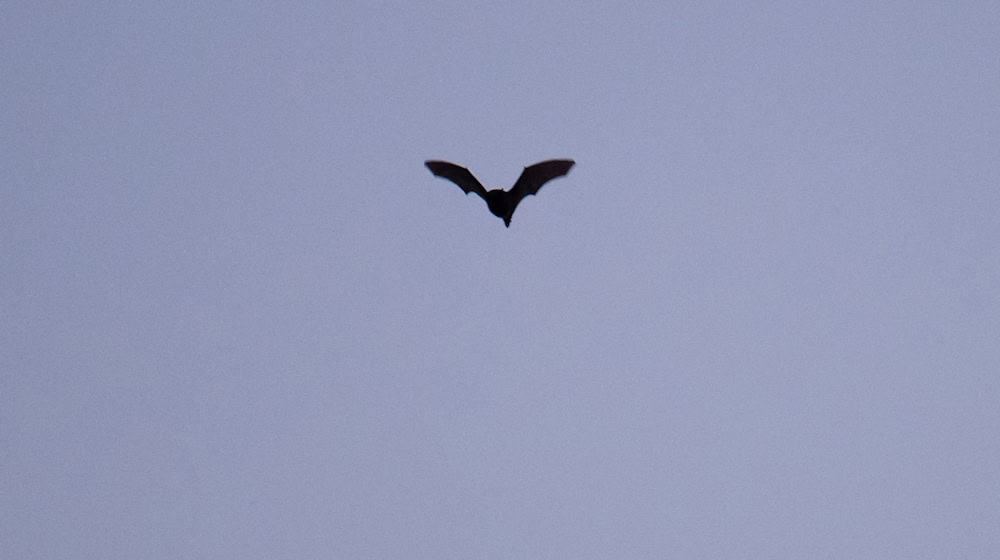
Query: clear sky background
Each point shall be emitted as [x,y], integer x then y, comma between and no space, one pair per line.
[759,318]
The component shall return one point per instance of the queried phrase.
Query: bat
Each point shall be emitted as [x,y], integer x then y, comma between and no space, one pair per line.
[502,203]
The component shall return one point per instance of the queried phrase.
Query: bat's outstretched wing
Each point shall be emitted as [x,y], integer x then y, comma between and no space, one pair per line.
[534,176]
[458,175]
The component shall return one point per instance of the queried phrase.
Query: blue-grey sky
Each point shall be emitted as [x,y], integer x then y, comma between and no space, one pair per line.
[759,318]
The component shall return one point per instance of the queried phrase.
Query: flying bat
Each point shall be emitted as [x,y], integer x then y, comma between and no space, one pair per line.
[502,203]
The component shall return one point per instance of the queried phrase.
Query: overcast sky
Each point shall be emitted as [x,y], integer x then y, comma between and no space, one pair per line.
[758,319]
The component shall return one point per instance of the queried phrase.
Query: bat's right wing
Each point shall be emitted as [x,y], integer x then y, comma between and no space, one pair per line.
[534,176]
[458,175]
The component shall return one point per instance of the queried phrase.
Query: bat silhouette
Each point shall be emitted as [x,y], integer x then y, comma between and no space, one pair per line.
[502,203]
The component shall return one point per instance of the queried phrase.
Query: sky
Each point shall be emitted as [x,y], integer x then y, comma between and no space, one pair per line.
[758,319]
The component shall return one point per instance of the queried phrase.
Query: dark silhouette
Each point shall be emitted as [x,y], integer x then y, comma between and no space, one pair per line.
[502,203]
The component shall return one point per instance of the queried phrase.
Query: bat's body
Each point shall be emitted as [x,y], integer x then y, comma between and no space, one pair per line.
[502,203]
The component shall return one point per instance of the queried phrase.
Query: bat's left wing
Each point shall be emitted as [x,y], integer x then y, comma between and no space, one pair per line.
[534,176]
[458,175]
